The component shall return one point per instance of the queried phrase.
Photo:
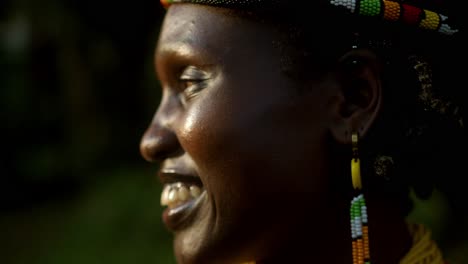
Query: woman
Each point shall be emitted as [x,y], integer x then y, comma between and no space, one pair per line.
[267,106]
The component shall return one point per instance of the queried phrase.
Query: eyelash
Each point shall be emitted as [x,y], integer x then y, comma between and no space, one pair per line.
[192,81]
[191,87]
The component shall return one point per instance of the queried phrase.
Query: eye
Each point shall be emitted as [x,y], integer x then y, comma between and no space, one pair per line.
[192,81]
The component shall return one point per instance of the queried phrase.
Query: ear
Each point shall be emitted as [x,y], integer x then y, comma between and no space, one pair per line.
[359,95]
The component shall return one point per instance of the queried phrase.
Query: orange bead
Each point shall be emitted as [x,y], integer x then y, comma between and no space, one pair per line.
[392,11]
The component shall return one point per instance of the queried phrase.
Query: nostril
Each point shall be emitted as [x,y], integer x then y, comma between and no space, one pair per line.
[158,145]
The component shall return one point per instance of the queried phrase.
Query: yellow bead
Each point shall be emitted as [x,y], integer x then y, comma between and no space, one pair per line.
[356,173]
[431,20]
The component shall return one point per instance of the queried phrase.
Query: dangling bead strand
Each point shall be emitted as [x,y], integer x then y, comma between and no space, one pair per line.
[360,230]
[358,212]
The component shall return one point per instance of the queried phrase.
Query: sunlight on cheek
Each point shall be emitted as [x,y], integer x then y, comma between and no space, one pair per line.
[193,129]
[190,125]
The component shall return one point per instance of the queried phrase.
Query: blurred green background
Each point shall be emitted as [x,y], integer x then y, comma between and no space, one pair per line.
[77,90]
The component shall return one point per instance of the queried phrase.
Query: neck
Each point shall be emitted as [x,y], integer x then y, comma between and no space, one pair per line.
[390,239]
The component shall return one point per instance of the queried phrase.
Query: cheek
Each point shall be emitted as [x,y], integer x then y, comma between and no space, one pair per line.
[255,154]
[212,134]
[241,145]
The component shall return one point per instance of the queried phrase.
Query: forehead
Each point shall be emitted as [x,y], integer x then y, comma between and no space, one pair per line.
[182,18]
[210,29]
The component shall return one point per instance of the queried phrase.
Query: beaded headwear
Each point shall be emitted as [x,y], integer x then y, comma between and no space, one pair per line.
[388,10]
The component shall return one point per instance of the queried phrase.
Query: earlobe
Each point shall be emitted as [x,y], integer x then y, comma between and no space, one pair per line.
[358,102]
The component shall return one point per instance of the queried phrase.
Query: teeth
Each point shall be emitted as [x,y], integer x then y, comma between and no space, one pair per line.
[183,194]
[165,195]
[195,191]
[172,195]
[178,193]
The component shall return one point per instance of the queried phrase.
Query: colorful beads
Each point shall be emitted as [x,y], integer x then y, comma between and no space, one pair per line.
[389,10]
[365,236]
[370,7]
[349,4]
[444,28]
[360,230]
[430,21]
[392,11]
[411,14]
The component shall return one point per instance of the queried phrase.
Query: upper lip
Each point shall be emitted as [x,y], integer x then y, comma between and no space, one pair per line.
[173,175]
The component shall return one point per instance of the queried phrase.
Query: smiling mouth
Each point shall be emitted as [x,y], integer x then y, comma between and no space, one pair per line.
[182,195]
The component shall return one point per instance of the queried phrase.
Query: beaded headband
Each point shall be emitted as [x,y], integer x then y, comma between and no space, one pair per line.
[385,9]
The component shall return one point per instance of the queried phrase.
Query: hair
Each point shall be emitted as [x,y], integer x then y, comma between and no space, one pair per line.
[416,140]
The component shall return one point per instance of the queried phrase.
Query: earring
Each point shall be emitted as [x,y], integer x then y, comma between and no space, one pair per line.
[358,211]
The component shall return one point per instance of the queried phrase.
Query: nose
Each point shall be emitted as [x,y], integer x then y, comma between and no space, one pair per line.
[158,143]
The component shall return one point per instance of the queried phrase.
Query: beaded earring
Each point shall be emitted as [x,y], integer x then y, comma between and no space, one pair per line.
[358,211]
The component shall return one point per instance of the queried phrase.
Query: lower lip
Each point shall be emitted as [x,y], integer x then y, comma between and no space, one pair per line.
[179,217]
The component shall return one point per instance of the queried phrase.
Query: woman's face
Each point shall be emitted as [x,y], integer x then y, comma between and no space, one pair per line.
[242,145]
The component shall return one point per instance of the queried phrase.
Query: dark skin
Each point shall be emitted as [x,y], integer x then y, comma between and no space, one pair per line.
[263,150]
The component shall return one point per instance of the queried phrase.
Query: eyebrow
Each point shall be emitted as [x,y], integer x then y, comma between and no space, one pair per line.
[179,48]
[180,53]
[184,50]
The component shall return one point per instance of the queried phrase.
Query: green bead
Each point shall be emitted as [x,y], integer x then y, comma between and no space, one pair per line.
[370,7]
